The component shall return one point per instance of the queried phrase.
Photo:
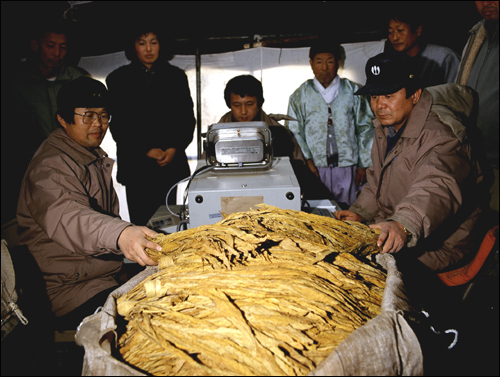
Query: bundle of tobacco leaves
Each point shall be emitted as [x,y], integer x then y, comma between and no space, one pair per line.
[263,292]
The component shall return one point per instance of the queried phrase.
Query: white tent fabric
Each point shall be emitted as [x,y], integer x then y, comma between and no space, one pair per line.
[281,71]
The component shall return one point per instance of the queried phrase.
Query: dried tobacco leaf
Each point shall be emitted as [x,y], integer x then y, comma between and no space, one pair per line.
[252,295]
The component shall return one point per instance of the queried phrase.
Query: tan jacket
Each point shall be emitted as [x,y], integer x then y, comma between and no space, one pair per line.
[429,181]
[68,218]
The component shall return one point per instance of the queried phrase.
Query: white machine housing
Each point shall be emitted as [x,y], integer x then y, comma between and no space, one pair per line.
[230,191]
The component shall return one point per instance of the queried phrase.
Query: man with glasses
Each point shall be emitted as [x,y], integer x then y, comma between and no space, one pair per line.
[333,127]
[68,211]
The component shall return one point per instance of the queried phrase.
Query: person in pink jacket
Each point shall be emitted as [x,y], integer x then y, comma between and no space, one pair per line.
[68,211]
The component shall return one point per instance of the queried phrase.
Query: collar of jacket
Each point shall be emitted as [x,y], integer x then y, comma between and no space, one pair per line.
[342,88]
[34,73]
[421,50]
[416,120]
[60,140]
[453,104]
[157,66]
[476,27]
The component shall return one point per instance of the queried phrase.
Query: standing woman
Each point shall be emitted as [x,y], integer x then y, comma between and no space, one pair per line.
[153,123]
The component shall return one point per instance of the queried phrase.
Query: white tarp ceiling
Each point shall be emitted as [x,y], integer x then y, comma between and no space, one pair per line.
[281,71]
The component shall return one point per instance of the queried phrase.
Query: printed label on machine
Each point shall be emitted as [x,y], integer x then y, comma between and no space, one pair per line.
[233,204]
[240,150]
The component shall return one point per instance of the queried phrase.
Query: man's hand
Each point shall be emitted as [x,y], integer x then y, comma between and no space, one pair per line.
[167,157]
[392,236]
[360,176]
[312,167]
[347,215]
[132,242]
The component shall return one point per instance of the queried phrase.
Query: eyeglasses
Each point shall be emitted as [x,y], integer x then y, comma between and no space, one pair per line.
[89,117]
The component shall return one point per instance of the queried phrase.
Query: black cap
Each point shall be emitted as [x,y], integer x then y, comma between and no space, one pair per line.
[388,73]
[82,92]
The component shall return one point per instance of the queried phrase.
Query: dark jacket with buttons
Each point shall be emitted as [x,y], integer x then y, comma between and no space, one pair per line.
[68,216]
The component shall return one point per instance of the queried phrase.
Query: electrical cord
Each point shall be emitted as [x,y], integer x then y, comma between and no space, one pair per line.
[190,178]
[168,194]
[182,214]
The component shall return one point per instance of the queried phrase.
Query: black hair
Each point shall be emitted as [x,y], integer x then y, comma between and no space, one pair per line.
[408,15]
[143,28]
[415,83]
[51,25]
[68,114]
[83,91]
[326,45]
[244,85]
[412,86]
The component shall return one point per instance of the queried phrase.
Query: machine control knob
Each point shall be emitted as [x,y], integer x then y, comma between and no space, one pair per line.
[198,199]
[289,195]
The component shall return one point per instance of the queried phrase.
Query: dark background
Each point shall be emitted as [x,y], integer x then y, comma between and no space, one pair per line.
[213,27]
[219,26]
[99,27]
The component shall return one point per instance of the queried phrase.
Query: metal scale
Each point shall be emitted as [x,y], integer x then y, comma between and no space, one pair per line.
[241,172]
[244,173]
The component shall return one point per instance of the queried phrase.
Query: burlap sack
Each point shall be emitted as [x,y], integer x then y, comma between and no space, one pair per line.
[11,313]
[385,345]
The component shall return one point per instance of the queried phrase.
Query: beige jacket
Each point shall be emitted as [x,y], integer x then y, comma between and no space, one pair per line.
[68,218]
[429,182]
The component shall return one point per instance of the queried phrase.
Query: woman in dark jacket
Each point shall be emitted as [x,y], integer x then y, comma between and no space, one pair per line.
[153,123]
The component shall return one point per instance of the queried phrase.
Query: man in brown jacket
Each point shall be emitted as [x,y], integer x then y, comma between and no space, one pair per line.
[68,211]
[423,190]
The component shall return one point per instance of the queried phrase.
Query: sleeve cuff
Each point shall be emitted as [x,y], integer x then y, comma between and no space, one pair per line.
[365,214]
[414,235]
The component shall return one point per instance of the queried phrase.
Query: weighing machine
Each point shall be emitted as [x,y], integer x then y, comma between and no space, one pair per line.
[239,172]
[217,191]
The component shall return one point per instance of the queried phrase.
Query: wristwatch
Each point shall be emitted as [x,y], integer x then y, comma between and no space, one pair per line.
[408,234]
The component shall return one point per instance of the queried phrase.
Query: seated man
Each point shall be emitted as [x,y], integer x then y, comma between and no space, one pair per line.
[423,189]
[68,211]
[244,96]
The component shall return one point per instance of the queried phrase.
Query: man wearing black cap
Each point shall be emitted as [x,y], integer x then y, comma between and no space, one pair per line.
[422,191]
[68,211]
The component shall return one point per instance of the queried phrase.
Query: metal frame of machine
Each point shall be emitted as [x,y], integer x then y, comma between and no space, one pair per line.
[242,145]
